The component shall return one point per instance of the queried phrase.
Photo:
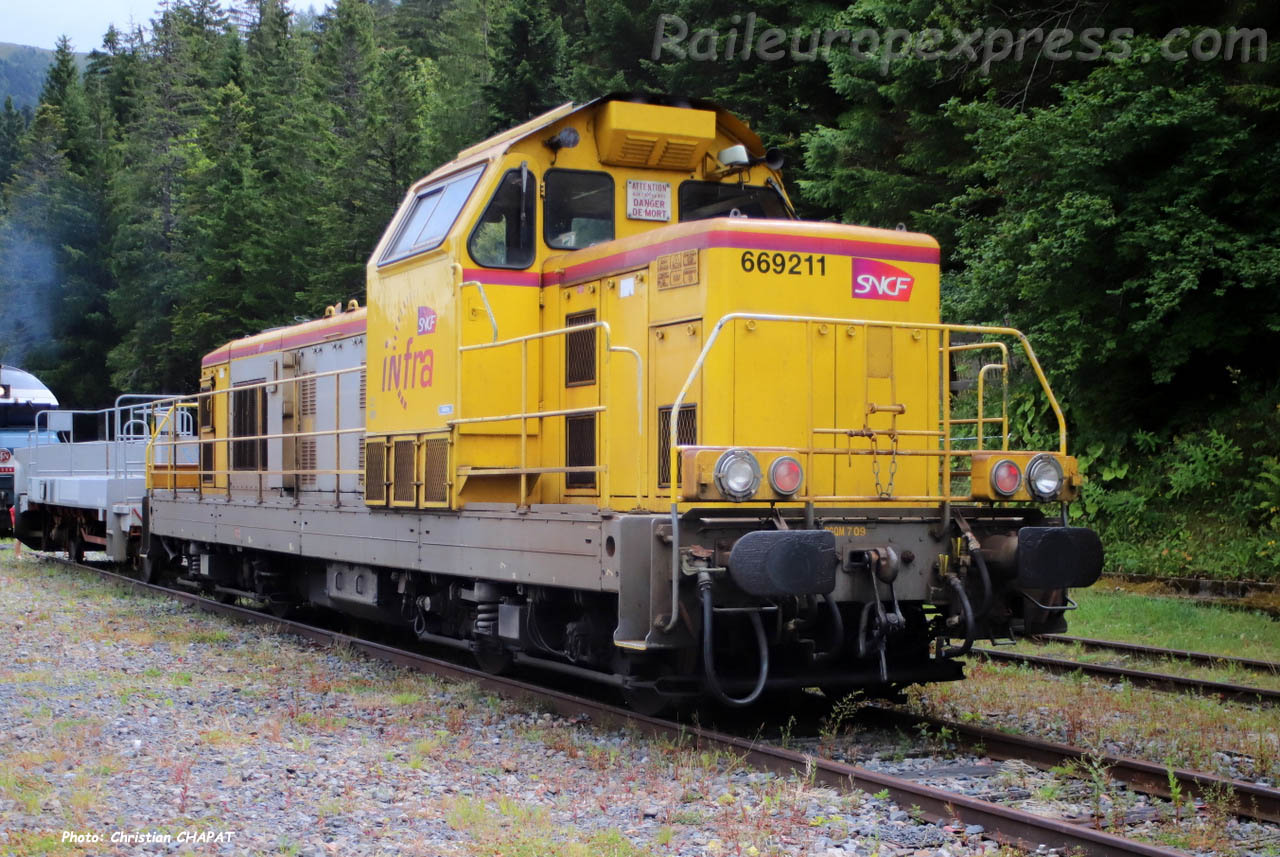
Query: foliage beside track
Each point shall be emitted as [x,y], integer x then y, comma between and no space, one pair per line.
[214,175]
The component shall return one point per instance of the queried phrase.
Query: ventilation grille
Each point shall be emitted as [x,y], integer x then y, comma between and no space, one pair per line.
[307,397]
[678,156]
[403,483]
[580,350]
[636,149]
[362,389]
[375,470]
[686,434]
[580,450]
[307,461]
[435,486]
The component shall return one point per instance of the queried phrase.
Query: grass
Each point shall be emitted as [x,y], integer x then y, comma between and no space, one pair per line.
[1110,614]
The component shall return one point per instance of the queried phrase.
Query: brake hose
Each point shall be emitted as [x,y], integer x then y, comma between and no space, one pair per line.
[708,656]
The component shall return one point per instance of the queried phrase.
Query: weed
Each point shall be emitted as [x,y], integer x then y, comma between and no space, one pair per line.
[1175,790]
[1092,768]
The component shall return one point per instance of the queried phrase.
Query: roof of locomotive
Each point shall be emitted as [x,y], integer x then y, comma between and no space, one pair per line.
[499,143]
[25,387]
[337,326]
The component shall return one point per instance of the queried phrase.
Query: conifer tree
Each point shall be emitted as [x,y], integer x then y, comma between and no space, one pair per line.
[529,63]
[12,126]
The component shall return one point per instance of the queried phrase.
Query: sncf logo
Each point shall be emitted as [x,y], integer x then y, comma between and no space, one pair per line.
[426,320]
[880,281]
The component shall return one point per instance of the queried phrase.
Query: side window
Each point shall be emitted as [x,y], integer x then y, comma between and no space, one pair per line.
[701,200]
[431,216]
[579,209]
[504,237]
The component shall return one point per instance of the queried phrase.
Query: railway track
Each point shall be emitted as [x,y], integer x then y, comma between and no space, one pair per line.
[1006,824]
[1201,585]
[1247,595]
[1247,799]
[1143,678]
[1204,658]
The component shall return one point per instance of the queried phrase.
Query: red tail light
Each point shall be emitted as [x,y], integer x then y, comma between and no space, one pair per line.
[1006,478]
[785,475]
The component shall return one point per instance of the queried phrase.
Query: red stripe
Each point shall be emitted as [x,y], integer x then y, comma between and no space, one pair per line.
[282,342]
[747,241]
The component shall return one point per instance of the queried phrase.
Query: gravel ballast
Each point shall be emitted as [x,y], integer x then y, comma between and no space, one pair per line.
[138,720]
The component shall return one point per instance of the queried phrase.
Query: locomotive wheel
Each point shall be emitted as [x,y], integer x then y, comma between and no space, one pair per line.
[75,548]
[280,609]
[492,660]
[647,701]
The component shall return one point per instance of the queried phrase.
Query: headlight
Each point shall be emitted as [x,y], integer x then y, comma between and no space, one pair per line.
[785,475]
[737,475]
[1044,477]
[1006,478]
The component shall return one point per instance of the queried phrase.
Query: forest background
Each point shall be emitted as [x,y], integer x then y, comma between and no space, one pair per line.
[230,168]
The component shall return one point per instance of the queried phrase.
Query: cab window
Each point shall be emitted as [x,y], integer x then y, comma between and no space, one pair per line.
[701,200]
[431,215]
[578,211]
[504,237]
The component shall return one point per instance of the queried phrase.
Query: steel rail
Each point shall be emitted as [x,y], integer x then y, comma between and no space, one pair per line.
[1143,678]
[1210,585]
[1206,658]
[1248,799]
[1006,824]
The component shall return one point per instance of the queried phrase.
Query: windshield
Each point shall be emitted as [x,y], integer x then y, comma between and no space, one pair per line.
[701,200]
[431,215]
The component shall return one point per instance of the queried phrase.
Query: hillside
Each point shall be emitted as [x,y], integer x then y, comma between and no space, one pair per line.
[22,72]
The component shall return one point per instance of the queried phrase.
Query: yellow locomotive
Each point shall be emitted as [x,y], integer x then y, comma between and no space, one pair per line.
[612,410]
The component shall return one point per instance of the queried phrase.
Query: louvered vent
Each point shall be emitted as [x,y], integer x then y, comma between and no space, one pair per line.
[678,155]
[580,450]
[307,461]
[686,434]
[636,150]
[405,491]
[580,350]
[360,465]
[362,389]
[435,486]
[307,397]
[375,471]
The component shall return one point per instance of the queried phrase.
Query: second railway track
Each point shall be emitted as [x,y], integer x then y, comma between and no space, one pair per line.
[1144,678]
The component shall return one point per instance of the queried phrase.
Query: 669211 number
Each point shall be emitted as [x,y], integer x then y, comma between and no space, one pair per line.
[764,262]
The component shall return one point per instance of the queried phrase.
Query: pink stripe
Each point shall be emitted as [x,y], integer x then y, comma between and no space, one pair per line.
[502,278]
[747,241]
[282,343]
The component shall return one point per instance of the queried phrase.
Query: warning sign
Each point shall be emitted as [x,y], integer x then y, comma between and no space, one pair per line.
[648,200]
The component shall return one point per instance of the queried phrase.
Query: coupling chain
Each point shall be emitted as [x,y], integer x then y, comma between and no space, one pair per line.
[885,492]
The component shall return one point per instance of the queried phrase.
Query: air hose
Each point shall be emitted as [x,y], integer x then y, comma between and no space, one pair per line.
[837,623]
[708,655]
[970,629]
[984,577]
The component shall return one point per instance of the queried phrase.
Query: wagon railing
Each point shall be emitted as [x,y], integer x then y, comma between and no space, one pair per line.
[167,439]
